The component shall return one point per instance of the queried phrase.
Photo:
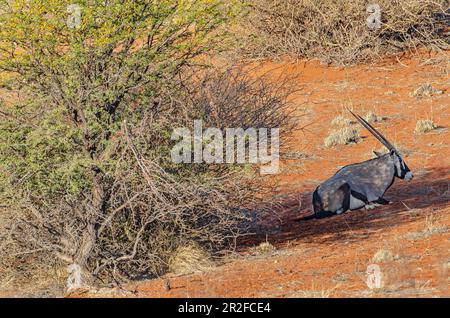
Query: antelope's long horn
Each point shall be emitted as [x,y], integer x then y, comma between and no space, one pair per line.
[373,131]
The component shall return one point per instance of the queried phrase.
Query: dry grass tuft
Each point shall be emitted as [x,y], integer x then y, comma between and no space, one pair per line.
[342,136]
[341,121]
[341,278]
[372,117]
[432,226]
[383,256]
[190,258]
[315,293]
[424,125]
[382,150]
[263,249]
[425,90]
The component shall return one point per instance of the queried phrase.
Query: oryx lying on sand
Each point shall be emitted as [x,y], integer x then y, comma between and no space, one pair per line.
[361,184]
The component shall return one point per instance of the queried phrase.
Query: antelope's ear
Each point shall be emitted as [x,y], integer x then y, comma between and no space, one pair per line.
[377,154]
[392,152]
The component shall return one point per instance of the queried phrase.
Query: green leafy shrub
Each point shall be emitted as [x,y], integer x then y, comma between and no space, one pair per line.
[84,151]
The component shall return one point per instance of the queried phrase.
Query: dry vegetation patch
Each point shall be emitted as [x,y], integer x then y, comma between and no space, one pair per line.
[190,258]
[315,293]
[425,90]
[382,256]
[424,125]
[344,32]
[342,136]
[382,150]
[432,225]
[341,121]
[371,117]
[263,249]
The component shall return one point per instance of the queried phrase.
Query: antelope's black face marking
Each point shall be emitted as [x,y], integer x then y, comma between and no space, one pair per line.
[401,169]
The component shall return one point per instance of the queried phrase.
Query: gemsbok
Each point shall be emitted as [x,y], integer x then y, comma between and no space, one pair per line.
[360,184]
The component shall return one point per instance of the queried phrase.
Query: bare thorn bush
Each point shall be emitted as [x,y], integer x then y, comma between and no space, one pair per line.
[337,31]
